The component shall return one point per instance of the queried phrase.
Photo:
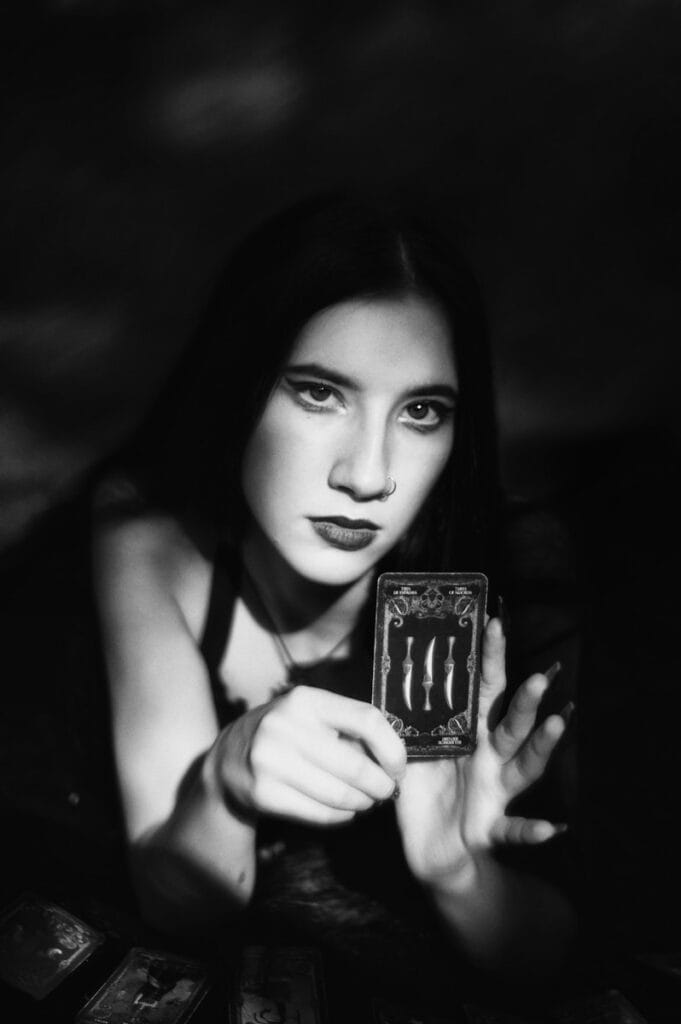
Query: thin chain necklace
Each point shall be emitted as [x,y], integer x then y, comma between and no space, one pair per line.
[296,673]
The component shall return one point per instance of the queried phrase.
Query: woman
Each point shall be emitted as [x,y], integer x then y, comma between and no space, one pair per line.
[339,422]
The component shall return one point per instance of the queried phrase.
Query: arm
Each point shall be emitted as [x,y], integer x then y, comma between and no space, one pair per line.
[165,730]
[452,815]
[192,794]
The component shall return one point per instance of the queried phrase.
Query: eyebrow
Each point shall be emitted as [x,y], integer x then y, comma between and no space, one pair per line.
[334,377]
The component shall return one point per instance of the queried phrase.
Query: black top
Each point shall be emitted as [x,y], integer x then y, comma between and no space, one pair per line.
[348,676]
[224,588]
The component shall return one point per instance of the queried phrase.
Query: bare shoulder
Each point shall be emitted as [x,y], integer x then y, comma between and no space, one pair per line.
[154,558]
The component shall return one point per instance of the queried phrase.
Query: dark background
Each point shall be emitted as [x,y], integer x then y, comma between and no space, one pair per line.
[141,140]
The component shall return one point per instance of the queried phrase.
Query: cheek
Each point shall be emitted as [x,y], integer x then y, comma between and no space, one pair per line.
[260,467]
[426,468]
[277,458]
[422,471]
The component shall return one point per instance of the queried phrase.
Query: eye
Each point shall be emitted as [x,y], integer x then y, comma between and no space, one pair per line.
[425,415]
[318,392]
[314,395]
[419,410]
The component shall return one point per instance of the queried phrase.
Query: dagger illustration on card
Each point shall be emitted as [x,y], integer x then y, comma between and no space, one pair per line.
[449,674]
[407,670]
[428,673]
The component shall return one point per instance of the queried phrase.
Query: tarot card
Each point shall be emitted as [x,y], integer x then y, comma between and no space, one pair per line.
[41,944]
[148,987]
[609,1007]
[427,659]
[279,983]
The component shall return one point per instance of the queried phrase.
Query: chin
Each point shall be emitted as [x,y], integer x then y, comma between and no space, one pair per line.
[335,568]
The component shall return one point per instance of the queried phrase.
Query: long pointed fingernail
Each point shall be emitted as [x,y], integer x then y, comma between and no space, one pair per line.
[502,612]
[553,671]
[568,710]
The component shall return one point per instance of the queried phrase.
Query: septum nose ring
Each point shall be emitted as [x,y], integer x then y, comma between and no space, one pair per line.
[389,490]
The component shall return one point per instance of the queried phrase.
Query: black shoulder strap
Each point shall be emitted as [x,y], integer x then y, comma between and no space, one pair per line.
[223,592]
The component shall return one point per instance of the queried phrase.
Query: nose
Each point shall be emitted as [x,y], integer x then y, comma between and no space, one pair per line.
[361,465]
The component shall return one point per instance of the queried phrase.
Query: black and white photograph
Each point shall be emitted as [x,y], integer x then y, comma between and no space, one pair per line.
[340,475]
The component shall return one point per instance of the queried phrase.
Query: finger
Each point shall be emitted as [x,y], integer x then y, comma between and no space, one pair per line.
[517,831]
[339,759]
[529,764]
[279,799]
[325,787]
[362,721]
[518,722]
[285,746]
[347,760]
[493,681]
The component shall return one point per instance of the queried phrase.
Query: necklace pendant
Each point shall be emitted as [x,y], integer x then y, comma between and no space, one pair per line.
[299,675]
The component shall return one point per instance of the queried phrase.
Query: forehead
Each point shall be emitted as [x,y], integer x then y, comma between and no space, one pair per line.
[406,339]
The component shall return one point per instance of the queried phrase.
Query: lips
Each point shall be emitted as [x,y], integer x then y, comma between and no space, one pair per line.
[346,534]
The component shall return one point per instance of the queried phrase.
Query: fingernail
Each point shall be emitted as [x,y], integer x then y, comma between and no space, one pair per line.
[553,671]
[567,711]
[502,612]
[396,791]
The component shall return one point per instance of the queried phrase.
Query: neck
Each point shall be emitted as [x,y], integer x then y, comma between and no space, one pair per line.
[298,605]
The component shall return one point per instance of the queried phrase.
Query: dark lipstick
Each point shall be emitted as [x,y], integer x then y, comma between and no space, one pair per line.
[346,534]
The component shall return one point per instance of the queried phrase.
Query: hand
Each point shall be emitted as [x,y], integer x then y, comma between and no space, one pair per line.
[453,811]
[308,755]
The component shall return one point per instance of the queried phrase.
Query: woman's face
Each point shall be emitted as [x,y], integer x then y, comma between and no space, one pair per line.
[368,393]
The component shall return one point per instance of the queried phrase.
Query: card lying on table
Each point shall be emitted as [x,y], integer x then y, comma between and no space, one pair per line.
[279,983]
[427,658]
[148,987]
[41,944]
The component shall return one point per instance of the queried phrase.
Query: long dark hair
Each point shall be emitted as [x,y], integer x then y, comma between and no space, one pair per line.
[319,253]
